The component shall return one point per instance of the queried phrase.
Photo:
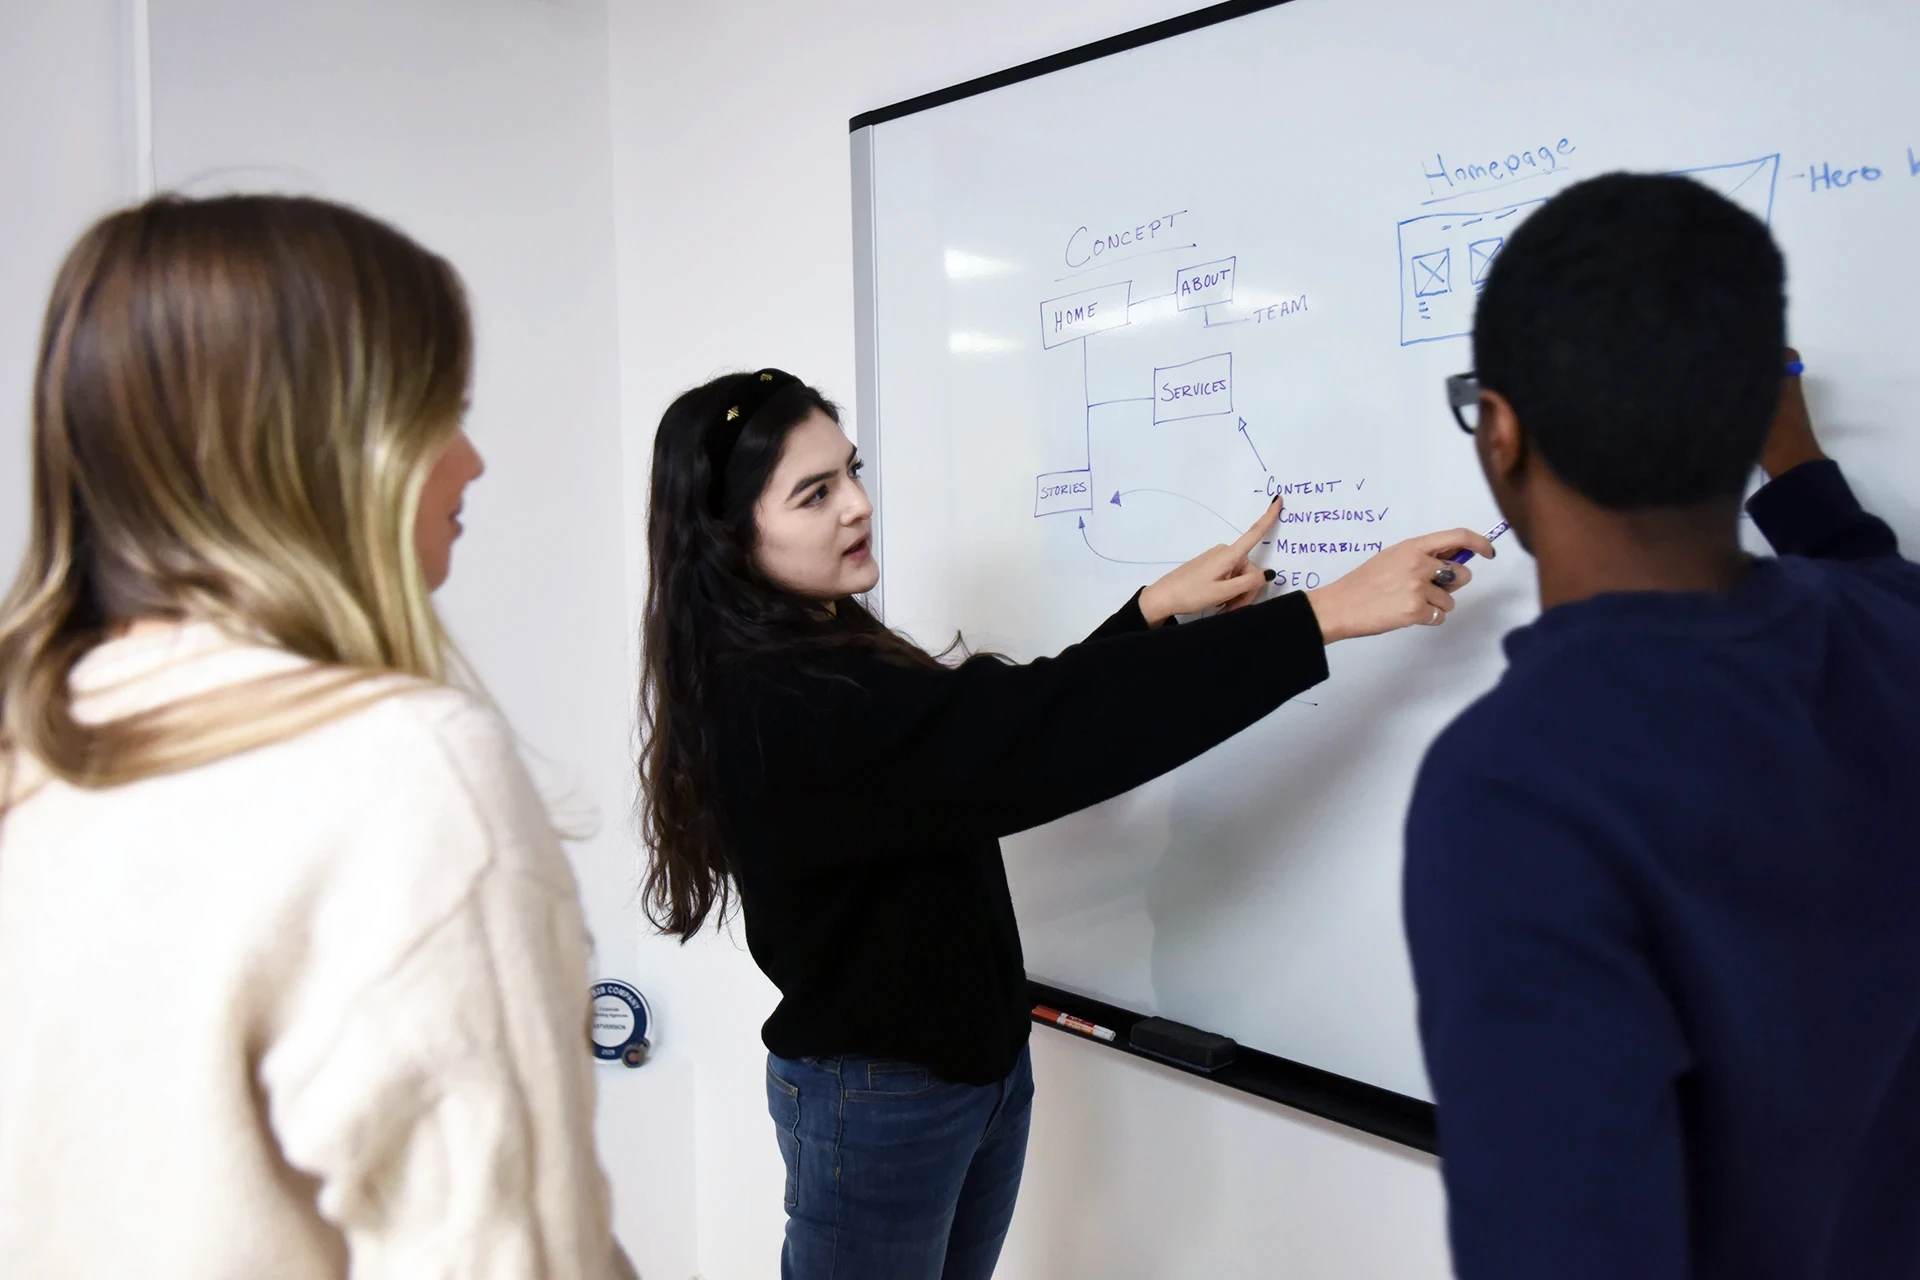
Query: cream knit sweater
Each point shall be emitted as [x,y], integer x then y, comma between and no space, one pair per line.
[316,1010]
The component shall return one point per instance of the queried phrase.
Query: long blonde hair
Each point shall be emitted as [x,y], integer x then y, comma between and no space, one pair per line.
[237,404]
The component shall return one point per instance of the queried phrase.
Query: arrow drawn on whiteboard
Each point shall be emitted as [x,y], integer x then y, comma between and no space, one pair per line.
[1249,439]
[1119,494]
[1110,559]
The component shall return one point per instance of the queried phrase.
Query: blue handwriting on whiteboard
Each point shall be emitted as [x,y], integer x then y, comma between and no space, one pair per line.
[1084,245]
[1514,164]
[1335,515]
[1824,177]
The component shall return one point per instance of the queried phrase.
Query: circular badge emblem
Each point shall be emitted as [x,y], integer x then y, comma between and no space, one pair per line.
[621,1020]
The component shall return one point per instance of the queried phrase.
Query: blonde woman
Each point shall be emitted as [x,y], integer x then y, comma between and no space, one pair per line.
[293,976]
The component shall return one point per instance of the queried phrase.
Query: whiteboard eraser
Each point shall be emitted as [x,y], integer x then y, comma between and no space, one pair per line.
[1178,1042]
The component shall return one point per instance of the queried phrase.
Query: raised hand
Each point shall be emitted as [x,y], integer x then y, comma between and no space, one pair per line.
[1790,440]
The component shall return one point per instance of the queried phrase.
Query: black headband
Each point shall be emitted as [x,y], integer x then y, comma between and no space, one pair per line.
[724,434]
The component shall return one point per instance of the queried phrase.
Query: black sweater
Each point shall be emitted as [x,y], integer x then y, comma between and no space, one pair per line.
[865,800]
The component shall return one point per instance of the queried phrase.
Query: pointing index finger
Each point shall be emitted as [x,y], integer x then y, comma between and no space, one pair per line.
[1244,545]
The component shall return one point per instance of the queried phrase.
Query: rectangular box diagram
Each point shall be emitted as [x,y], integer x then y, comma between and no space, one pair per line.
[1480,258]
[1058,491]
[1444,260]
[1062,320]
[1208,283]
[1445,257]
[1748,183]
[1196,389]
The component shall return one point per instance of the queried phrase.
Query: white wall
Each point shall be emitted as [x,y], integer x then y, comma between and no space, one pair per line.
[734,226]
[481,127]
[65,158]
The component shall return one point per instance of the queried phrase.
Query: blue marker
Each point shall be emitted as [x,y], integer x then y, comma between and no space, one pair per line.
[1461,557]
[1795,368]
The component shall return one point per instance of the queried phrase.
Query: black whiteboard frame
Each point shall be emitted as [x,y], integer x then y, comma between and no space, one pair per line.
[1356,1104]
[1149,34]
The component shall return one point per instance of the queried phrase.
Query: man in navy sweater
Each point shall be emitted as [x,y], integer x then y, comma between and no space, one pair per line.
[1663,882]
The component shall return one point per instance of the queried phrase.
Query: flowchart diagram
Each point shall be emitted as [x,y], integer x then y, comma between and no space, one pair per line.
[1200,392]
[1136,448]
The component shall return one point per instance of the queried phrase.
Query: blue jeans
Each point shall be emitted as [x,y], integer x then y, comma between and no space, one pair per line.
[894,1173]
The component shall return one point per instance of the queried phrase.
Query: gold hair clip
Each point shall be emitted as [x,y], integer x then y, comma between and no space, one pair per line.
[766,377]
[733,413]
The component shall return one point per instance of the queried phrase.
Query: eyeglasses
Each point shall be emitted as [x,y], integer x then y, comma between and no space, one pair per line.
[1463,397]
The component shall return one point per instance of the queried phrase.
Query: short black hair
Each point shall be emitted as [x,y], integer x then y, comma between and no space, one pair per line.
[1636,325]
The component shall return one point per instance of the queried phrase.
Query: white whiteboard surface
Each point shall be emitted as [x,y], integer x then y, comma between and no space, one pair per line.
[1287,214]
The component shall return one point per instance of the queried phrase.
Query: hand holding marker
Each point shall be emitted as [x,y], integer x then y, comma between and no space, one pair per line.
[1394,588]
[1446,577]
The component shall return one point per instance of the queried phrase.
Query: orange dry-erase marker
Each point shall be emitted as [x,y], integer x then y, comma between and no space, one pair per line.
[1071,1023]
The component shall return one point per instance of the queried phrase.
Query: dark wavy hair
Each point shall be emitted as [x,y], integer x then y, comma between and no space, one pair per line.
[709,606]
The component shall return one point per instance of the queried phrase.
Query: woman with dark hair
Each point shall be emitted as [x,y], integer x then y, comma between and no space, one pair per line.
[851,788]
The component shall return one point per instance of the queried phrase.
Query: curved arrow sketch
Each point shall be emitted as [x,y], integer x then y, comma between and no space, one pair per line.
[1112,560]
[1115,500]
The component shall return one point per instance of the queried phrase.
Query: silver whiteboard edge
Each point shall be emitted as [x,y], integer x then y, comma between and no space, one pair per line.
[137,58]
[866,358]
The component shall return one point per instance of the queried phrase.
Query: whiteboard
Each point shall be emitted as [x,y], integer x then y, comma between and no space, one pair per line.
[1107,310]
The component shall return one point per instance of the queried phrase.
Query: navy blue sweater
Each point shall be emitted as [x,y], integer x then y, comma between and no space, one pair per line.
[1663,897]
